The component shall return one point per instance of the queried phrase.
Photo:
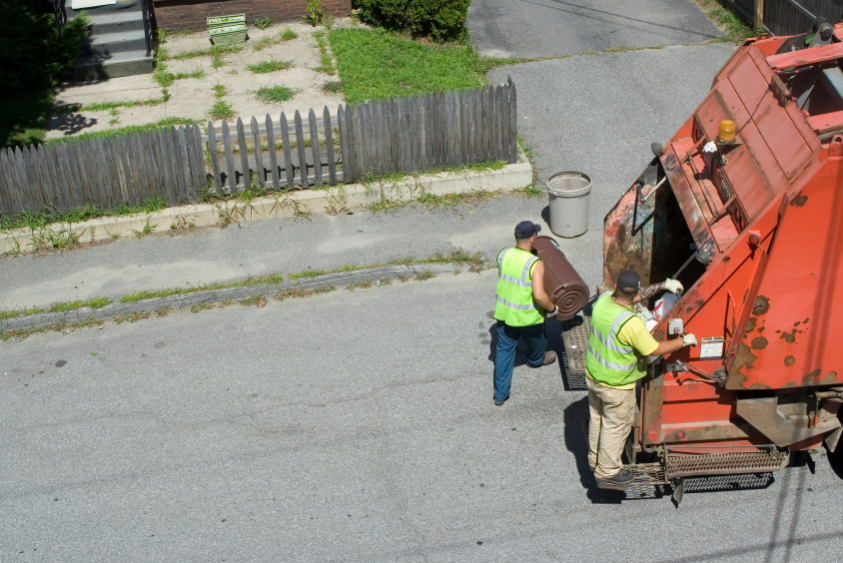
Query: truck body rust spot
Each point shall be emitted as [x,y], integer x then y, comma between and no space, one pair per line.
[699,303]
[744,358]
[799,200]
[750,325]
[759,386]
[813,375]
[789,337]
[759,343]
[726,259]
[762,305]
[831,377]
[659,335]
[789,360]
[805,321]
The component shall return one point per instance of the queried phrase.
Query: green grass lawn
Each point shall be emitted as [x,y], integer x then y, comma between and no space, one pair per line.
[373,63]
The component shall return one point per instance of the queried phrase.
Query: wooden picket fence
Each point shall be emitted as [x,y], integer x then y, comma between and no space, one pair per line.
[124,169]
[787,17]
[409,134]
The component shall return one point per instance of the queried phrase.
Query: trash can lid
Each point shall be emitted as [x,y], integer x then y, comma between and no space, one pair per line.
[569,184]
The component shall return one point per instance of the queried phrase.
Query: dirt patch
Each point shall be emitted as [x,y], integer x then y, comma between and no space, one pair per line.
[192,98]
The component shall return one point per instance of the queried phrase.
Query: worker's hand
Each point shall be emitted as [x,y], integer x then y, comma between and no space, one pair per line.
[551,314]
[673,286]
[689,340]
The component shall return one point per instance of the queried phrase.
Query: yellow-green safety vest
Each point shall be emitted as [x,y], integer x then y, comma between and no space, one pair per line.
[608,360]
[515,305]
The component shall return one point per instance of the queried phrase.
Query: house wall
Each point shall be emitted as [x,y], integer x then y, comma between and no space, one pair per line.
[175,15]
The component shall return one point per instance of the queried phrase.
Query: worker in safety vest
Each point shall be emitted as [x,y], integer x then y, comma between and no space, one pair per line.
[520,309]
[618,348]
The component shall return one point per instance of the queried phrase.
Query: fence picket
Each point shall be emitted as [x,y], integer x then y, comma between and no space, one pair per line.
[200,174]
[159,187]
[66,170]
[273,152]
[289,169]
[42,161]
[12,193]
[136,158]
[102,178]
[16,158]
[500,140]
[245,175]
[33,172]
[180,141]
[399,129]
[175,161]
[165,154]
[256,139]
[329,146]
[6,205]
[391,135]
[231,175]
[383,156]
[358,119]
[314,147]
[302,154]
[107,170]
[215,159]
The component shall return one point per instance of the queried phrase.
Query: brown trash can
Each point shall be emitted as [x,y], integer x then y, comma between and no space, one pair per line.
[564,286]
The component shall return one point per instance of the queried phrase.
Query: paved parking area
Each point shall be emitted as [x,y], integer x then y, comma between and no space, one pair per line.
[553,28]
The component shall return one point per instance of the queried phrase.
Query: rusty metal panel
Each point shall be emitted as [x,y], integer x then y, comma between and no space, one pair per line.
[790,341]
[688,202]
[826,122]
[748,82]
[763,414]
[806,56]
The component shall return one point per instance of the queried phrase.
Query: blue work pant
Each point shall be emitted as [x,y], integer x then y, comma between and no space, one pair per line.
[508,336]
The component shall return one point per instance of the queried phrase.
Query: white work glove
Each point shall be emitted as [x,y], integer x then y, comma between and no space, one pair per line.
[673,286]
[551,314]
[689,340]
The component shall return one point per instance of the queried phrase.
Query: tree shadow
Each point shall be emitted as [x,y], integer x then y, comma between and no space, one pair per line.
[71,123]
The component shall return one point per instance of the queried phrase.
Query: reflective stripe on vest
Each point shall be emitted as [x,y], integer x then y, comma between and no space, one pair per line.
[610,361]
[514,299]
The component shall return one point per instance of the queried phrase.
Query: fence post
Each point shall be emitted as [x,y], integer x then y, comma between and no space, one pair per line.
[759,14]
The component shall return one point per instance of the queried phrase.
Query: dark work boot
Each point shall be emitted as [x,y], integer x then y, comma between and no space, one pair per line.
[621,477]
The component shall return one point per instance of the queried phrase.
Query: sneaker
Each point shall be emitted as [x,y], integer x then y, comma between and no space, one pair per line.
[621,477]
[549,358]
[500,403]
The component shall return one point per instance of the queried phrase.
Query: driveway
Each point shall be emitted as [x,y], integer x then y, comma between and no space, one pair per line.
[553,28]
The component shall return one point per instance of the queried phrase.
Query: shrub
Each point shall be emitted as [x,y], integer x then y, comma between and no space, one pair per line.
[33,55]
[439,19]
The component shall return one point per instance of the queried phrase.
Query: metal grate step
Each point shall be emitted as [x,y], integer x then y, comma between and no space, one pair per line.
[726,464]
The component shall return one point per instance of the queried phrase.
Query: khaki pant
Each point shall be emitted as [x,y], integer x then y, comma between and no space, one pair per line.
[612,414]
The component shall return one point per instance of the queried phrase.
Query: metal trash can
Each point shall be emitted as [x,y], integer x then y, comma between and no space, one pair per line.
[569,195]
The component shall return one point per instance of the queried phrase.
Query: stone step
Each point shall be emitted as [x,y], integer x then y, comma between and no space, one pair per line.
[93,68]
[111,43]
[120,6]
[115,22]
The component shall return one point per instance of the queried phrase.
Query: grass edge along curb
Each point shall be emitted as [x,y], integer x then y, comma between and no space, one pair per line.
[294,203]
[22,326]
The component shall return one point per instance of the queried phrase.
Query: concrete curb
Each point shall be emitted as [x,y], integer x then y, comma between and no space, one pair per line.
[117,309]
[284,204]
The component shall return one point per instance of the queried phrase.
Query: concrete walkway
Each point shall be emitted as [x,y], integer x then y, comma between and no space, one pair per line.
[553,28]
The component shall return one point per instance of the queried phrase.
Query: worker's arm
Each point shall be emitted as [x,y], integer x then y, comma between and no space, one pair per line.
[670,285]
[539,294]
[635,334]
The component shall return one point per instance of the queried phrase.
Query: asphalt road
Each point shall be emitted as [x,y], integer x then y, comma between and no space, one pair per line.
[553,28]
[352,426]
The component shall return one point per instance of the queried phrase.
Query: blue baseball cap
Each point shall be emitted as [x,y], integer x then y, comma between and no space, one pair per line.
[526,229]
